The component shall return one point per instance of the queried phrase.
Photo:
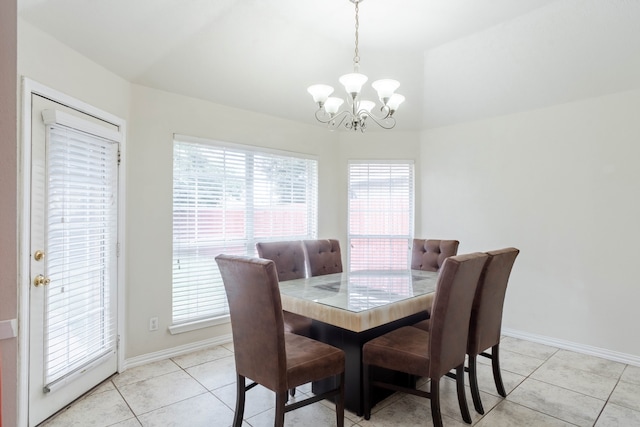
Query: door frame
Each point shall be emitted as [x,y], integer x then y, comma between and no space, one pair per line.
[29,88]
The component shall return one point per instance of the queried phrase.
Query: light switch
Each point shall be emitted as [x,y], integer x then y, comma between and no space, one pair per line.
[8,329]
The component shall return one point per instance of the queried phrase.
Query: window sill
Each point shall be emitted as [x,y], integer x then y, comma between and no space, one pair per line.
[199,324]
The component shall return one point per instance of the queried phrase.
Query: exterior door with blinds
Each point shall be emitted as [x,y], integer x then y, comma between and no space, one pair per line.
[73,256]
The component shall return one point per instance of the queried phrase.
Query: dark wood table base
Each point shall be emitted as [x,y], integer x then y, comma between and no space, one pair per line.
[352,342]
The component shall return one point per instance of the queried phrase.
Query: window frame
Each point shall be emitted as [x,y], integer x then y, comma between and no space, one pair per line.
[410,222]
[253,186]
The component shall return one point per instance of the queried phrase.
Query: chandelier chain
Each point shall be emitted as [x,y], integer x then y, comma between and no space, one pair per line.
[356,58]
[357,112]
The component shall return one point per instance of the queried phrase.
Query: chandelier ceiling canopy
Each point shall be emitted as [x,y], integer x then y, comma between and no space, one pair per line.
[358,112]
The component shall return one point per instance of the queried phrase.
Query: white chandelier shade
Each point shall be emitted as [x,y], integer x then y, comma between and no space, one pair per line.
[358,111]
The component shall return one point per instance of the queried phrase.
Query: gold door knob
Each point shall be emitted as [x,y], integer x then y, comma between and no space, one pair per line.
[40,280]
[38,255]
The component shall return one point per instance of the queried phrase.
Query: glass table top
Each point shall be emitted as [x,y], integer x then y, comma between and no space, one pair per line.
[361,290]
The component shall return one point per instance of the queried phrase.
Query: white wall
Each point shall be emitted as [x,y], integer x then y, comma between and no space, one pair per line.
[155,117]
[8,213]
[562,185]
[47,61]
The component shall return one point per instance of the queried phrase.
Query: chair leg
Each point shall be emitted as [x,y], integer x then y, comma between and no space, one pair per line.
[292,392]
[366,372]
[462,397]
[473,383]
[281,400]
[240,395]
[434,392]
[340,403]
[495,364]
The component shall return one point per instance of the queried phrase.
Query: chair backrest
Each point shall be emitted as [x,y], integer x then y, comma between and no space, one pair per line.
[289,257]
[486,314]
[451,311]
[257,326]
[324,256]
[429,255]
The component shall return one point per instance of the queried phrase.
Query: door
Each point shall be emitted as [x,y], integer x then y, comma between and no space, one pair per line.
[73,255]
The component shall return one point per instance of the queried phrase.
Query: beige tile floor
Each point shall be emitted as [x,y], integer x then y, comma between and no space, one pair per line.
[546,386]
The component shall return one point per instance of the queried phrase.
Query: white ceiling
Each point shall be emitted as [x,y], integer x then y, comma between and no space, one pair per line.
[457,60]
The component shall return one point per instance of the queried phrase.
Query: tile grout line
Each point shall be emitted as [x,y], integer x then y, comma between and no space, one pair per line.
[125,400]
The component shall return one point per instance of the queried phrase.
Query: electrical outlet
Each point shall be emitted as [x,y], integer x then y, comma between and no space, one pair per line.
[153,324]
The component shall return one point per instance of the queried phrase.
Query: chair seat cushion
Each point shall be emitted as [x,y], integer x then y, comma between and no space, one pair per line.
[310,360]
[425,325]
[405,349]
[296,324]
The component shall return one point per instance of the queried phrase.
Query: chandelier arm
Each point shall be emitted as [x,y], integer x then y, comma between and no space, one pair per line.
[382,122]
[327,119]
[335,125]
[319,116]
[362,112]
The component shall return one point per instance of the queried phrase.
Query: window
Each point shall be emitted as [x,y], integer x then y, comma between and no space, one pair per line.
[225,199]
[381,206]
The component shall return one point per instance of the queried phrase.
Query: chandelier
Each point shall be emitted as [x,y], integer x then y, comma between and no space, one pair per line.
[358,111]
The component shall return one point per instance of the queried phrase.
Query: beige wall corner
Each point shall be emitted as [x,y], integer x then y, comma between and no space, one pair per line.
[8,207]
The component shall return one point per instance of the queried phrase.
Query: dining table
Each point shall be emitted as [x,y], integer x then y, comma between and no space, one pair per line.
[350,308]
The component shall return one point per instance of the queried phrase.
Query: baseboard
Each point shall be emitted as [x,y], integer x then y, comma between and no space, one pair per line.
[615,356]
[174,351]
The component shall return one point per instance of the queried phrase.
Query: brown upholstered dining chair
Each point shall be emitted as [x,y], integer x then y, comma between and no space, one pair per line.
[429,254]
[264,352]
[324,256]
[432,353]
[486,319]
[289,257]
[291,263]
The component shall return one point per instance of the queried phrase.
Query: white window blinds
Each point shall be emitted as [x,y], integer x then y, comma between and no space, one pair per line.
[381,210]
[225,199]
[81,263]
